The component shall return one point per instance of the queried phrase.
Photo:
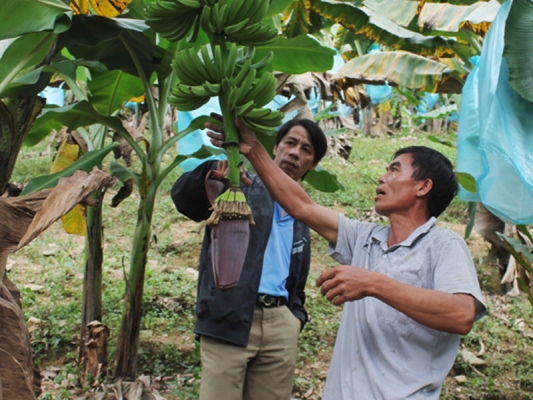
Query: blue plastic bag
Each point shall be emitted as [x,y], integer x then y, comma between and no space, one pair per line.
[495,138]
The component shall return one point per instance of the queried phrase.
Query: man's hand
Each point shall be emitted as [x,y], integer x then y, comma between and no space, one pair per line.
[222,170]
[216,134]
[344,283]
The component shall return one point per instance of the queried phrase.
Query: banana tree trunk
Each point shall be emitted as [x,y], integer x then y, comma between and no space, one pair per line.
[128,341]
[92,282]
[19,378]
[16,118]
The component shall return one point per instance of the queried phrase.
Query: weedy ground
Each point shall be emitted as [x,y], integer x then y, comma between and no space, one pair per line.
[49,273]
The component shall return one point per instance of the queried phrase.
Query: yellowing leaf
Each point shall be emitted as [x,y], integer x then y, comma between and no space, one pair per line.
[138,99]
[105,8]
[74,221]
[66,155]
[80,6]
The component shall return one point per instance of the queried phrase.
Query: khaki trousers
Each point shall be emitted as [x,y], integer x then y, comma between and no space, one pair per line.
[262,371]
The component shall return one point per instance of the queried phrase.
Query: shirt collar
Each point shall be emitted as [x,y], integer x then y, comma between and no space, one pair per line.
[382,235]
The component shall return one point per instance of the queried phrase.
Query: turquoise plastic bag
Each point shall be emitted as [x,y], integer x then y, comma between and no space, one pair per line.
[495,138]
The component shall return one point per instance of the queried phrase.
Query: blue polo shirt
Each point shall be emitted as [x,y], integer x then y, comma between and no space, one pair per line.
[277,259]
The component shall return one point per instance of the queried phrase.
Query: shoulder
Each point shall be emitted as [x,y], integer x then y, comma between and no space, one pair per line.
[446,233]
[360,227]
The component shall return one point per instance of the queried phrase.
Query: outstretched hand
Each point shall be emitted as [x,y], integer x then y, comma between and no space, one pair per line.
[216,134]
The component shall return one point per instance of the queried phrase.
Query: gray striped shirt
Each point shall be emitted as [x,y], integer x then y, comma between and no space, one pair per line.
[381,353]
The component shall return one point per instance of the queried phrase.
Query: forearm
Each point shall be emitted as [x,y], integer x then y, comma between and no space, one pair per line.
[446,312]
[286,191]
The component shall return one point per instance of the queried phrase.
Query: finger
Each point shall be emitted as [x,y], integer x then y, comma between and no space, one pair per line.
[216,139]
[325,276]
[214,127]
[216,116]
[339,300]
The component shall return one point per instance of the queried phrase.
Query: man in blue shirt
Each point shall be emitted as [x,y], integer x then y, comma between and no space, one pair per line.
[249,334]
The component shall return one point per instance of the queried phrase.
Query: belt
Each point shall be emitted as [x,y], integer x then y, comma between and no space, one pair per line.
[268,301]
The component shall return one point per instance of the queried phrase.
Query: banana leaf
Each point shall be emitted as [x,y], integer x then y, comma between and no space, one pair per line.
[19,58]
[377,27]
[297,55]
[28,16]
[84,163]
[73,116]
[323,180]
[399,68]
[523,256]
[95,38]
[105,8]
[454,18]
[111,90]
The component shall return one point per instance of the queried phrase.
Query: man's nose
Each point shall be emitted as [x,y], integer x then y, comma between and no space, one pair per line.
[295,152]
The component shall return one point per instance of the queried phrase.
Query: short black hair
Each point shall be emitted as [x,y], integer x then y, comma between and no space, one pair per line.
[430,164]
[316,135]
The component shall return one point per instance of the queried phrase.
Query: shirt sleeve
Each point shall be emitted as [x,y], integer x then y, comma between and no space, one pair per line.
[455,272]
[352,234]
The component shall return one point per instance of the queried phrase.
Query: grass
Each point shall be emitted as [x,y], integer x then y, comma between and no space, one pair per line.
[49,272]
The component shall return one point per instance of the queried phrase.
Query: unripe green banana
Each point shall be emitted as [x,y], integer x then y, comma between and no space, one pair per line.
[208,63]
[218,17]
[190,3]
[182,66]
[219,61]
[236,28]
[257,113]
[267,59]
[205,18]
[245,69]
[231,60]
[263,90]
[243,109]
[246,85]
[172,19]
[258,10]
[212,88]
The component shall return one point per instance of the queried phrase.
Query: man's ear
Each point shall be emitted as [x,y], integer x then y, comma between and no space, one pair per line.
[424,187]
[274,150]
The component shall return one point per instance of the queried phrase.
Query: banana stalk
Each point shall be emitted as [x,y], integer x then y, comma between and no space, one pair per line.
[231,217]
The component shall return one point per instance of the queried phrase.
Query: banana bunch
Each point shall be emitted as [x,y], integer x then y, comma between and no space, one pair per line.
[229,74]
[201,76]
[252,94]
[174,19]
[239,21]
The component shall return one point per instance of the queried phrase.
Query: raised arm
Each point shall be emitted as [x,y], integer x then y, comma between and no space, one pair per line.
[287,192]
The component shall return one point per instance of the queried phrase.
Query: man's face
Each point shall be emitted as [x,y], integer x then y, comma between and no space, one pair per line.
[397,190]
[295,154]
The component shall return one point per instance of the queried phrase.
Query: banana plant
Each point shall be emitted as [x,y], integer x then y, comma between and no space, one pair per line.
[436,40]
[130,47]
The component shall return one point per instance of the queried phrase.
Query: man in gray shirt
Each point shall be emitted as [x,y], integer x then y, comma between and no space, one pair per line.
[409,289]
